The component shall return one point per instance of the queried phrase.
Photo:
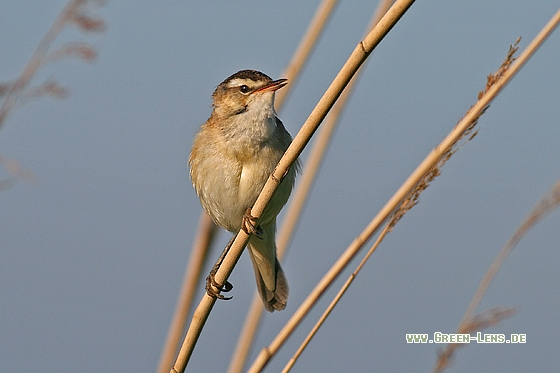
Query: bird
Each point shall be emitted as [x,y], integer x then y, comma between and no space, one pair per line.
[233,154]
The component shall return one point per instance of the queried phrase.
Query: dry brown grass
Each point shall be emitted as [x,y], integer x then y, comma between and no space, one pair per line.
[472,323]
[76,13]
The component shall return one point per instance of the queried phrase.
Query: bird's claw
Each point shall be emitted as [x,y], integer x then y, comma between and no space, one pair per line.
[248,224]
[211,285]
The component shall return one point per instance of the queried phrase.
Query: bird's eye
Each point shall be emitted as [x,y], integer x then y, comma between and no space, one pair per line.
[244,89]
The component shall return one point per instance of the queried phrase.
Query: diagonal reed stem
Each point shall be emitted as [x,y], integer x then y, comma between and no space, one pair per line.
[546,205]
[191,279]
[335,300]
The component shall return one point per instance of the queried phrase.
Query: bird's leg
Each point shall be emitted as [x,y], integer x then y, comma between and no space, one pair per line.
[248,224]
[211,279]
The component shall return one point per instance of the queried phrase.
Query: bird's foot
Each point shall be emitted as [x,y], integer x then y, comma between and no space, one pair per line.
[248,224]
[213,289]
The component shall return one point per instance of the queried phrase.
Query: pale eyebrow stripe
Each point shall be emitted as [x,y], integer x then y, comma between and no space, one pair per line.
[238,82]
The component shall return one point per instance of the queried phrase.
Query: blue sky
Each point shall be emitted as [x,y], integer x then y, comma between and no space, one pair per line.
[92,254]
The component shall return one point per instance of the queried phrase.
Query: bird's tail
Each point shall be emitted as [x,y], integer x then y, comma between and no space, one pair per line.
[271,280]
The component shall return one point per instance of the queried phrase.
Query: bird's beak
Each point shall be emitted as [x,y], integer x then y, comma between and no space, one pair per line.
[273,86]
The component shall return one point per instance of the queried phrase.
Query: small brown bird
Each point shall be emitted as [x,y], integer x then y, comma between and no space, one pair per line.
[233,155]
